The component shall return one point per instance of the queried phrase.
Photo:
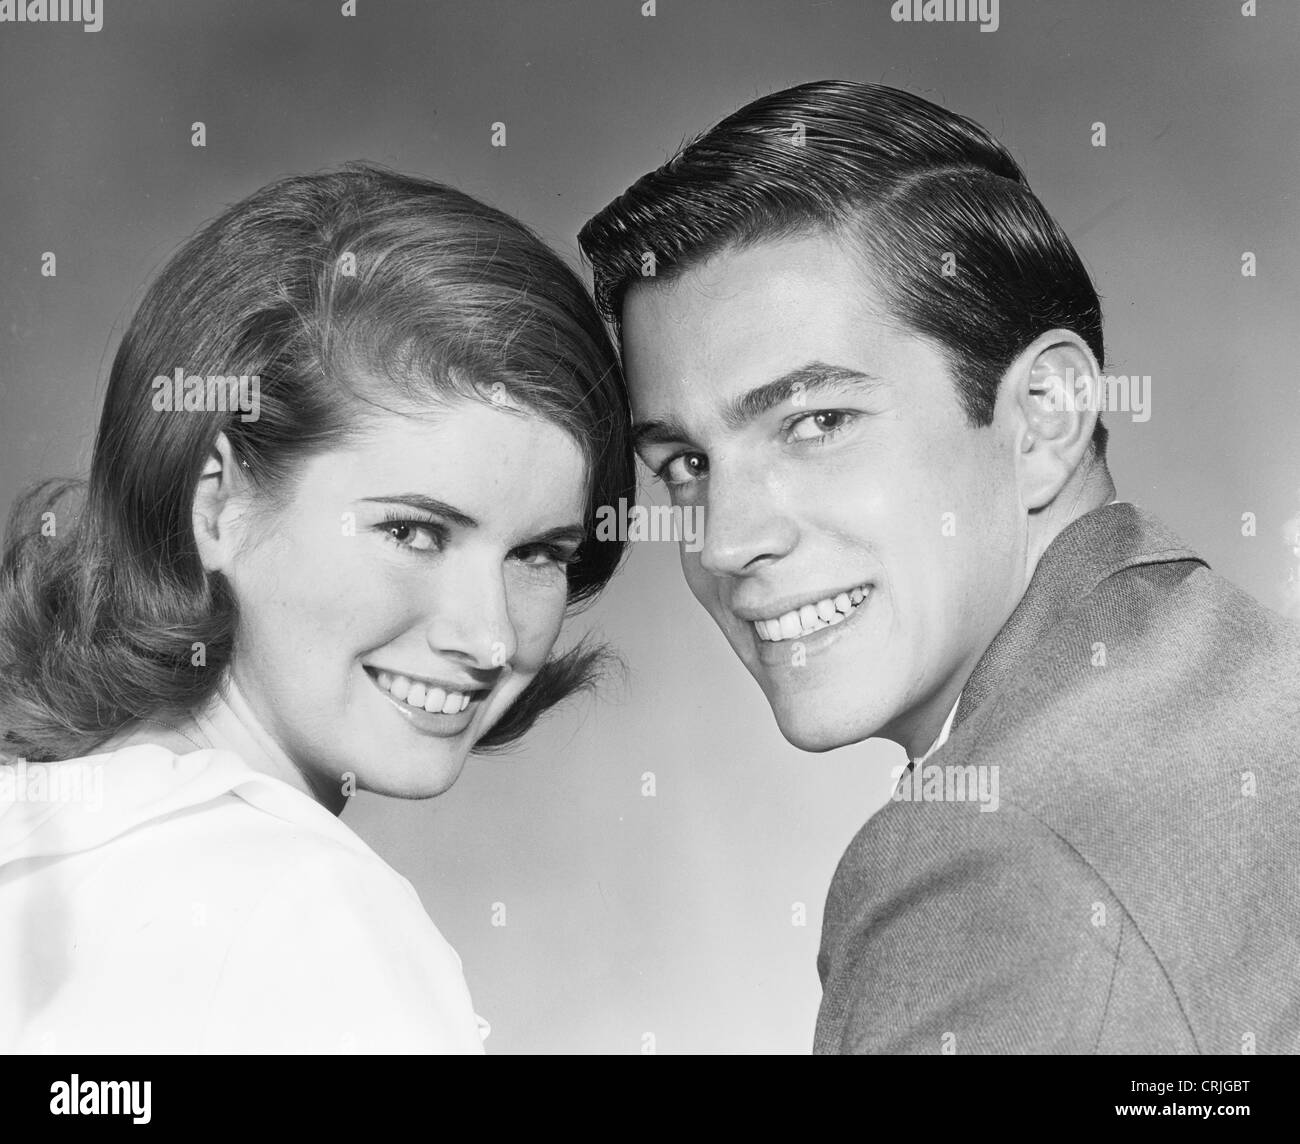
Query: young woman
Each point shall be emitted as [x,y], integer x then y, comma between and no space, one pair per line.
[342,495]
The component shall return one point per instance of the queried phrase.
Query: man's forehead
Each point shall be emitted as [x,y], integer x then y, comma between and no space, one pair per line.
[740,273]
[697,344]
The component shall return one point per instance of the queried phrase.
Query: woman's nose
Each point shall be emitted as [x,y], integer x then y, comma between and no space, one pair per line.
[471,621]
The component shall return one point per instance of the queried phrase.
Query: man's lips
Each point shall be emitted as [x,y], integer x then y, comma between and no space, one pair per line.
[793,619]
[810,640]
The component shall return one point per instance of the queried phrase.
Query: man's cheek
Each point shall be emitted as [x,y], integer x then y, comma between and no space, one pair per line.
[702,585]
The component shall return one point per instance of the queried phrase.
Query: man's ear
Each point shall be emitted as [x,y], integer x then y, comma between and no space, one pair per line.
[1053,393]
[219,503]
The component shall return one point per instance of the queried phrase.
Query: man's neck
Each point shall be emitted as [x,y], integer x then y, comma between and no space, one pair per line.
[1086,491]
[1089,489]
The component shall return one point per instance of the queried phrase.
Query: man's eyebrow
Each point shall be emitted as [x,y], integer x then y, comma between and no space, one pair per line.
[658,433]
[426,505]
[815,376]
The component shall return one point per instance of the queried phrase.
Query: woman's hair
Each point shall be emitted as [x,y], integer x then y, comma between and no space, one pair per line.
[958,245]
[319,285]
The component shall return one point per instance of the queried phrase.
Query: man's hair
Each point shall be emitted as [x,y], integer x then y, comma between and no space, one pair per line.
[959,247]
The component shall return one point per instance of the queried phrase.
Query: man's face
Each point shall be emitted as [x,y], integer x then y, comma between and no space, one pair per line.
[863,543]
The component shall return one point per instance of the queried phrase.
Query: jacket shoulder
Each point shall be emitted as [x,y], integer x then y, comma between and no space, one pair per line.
[949,929]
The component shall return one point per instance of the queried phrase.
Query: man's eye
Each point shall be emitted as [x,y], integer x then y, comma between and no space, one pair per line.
[823,423]
[684,468]
[413,535]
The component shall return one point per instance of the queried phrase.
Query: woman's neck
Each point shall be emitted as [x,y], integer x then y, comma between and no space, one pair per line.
[227,723]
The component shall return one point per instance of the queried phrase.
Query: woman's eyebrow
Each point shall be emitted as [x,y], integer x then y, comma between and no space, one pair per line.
[574,533]
[428,505]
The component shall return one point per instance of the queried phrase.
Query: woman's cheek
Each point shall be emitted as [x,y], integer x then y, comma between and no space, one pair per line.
[537,616]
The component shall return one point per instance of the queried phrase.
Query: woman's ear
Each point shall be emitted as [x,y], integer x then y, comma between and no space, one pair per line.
[219,502]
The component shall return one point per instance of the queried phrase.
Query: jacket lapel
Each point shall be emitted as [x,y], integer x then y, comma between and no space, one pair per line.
[1090,549]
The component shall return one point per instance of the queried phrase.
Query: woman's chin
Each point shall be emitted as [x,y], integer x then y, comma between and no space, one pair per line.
[403,775]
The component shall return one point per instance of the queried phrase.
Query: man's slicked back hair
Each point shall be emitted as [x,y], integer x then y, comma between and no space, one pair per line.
[958,246]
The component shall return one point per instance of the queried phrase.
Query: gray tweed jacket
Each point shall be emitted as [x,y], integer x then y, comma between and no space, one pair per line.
[1137,888]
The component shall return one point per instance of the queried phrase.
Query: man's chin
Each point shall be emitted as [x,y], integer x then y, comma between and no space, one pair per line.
[811,731]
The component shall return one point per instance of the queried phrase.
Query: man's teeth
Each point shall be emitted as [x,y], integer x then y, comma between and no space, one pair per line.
[415,694]
[811,617]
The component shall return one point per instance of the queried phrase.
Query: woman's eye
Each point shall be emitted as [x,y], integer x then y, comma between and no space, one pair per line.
[684,468]
[823,423]
[542,555]
[413,535]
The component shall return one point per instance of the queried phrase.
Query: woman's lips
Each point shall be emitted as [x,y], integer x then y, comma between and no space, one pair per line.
[429,709]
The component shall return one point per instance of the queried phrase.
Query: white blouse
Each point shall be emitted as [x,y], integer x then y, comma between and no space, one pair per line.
[160,903]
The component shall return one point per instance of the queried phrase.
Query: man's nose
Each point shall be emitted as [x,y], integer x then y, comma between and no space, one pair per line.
[746,524]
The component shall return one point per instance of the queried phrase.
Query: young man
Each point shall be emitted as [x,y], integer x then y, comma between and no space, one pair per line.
[857,339]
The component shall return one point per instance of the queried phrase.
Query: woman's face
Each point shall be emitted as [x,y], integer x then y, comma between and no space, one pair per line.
[406,593]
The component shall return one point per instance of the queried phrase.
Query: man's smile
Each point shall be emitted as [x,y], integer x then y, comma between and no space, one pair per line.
[786,622]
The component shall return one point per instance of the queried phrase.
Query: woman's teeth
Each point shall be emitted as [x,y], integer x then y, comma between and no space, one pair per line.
[415,694]
[811,617]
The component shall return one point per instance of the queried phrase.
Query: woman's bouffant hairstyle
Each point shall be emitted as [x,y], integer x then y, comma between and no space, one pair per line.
[959,247]
[339,291]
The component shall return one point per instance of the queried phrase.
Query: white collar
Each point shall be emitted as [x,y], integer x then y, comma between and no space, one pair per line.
[943,734]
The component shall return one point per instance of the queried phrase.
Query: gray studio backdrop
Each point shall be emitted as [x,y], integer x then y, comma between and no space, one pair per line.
[686,919]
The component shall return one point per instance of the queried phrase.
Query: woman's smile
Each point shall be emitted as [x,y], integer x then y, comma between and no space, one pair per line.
[442,710]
